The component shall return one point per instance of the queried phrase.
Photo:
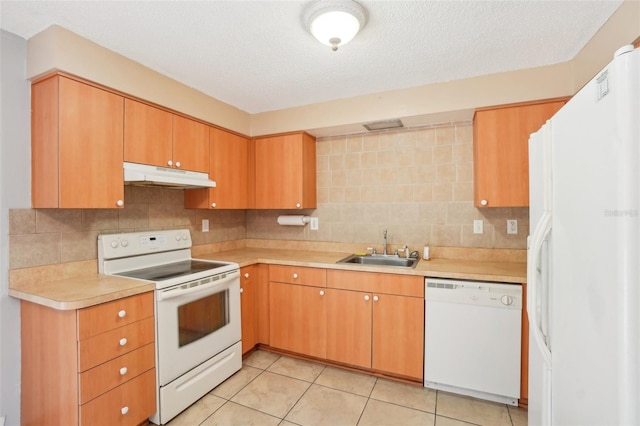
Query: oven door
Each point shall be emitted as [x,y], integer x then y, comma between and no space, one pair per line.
[196,321]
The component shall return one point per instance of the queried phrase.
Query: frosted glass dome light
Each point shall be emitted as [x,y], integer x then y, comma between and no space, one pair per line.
[334,22]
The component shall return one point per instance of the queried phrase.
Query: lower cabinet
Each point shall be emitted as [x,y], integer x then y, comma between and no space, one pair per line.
[367,320]
[249,309]
[92,366]
[297,318]
[376,330]
[349,324]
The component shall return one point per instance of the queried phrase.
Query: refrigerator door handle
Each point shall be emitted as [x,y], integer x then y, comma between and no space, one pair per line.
[539,236]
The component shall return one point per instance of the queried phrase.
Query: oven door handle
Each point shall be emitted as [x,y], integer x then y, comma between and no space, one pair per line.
[170,294]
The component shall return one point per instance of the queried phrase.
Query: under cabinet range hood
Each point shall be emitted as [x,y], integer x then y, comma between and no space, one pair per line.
[145,175]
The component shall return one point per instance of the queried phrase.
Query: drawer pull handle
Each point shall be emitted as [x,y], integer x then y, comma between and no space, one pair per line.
[321,292]
[124,410]
[246,275]
[123,341]
[376,298]
[122,313]
[366,297]
[295,276]
[123,371]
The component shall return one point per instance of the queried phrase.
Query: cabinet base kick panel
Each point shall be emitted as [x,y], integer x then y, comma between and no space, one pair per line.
[179,394]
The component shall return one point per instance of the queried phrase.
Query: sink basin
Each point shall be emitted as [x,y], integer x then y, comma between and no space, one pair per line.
[394,261]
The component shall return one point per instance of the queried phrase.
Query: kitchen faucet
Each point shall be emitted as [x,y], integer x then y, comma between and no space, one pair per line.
[384,246]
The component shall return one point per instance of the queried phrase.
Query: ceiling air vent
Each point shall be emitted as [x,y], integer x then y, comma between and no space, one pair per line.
[383,125]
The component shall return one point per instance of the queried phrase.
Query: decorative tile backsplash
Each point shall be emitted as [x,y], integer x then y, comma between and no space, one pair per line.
[49,236]
[416,183]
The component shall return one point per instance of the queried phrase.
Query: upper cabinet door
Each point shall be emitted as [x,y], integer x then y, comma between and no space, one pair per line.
[77,138]
[159,138]
[229,168]
[190,145]
[501,151]
[147,134]
[285,172]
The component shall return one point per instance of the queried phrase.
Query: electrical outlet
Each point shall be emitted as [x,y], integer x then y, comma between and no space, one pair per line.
[512,226]
[478,226]
[205,225]
[314,223]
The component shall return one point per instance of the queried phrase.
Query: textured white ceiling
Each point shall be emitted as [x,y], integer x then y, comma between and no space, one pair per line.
[257,55]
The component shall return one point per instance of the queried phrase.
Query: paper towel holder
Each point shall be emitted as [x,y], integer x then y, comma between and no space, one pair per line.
[293,220]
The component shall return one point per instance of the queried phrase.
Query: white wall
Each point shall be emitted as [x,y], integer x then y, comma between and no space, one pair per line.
[15,192]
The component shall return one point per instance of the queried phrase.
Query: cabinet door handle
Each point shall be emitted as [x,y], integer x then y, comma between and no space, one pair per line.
[213,205]
[122,313]
[321,292]
[123,371]
[124,410]
[177,164]
[169,163]
[295,276]
[376,298]
[484,202]
[123,341]
[366,297]
[241,290]
[119,203]
[246,275]
[298,205]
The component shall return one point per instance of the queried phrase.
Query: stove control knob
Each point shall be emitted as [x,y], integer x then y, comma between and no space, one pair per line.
[124,243]
[184,237]
[177,237]
[114,244]
[506,300]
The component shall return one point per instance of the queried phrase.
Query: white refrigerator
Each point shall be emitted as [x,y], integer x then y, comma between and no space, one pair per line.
[583,277]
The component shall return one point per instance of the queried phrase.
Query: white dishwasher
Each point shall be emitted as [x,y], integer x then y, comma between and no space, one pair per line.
[472,338]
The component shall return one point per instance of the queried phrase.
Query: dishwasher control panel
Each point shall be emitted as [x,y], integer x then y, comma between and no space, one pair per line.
[474,292]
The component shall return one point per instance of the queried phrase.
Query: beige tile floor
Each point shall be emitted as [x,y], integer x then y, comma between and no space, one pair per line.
[277,390]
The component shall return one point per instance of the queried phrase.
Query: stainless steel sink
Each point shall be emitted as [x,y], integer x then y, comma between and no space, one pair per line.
[380,260]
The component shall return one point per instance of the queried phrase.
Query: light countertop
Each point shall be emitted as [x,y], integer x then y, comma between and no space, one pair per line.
[507,272]
[92,289]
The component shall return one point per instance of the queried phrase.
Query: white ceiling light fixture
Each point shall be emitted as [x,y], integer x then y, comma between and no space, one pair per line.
[334,22]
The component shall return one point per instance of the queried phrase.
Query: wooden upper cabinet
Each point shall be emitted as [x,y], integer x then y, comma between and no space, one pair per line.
[190,144]
[285,171]
[229,168]
[147,134]
[76,145]
[501,151]
[159,138]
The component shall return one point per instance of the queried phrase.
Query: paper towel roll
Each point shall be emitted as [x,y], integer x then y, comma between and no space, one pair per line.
[294,220]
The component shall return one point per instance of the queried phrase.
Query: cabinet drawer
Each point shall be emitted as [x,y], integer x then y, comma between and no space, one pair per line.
[136,399]
[109,345]
[403,285]
[107,316]
[107,376]
[316,277]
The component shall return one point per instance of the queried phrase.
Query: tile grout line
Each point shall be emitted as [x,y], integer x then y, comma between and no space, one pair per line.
[303,393]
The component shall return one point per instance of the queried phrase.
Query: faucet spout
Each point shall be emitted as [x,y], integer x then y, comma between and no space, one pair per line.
[384,246]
